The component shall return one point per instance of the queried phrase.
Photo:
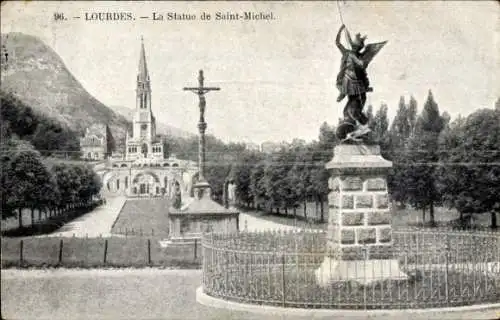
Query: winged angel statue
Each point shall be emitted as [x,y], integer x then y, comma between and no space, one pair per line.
[352,81]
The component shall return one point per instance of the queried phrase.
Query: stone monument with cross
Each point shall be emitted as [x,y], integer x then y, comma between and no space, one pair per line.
[203,214]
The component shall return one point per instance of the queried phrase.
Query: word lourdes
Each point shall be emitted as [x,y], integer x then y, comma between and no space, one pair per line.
[217,16]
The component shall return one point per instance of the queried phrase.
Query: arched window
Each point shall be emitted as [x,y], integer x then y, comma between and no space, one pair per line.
[175,165]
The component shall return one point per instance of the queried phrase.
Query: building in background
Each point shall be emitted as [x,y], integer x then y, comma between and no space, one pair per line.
[98,142]
[141,170]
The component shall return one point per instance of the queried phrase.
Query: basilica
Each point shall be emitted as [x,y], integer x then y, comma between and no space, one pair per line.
[141,170]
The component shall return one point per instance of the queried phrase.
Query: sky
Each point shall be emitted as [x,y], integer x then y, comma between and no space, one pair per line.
[277,77]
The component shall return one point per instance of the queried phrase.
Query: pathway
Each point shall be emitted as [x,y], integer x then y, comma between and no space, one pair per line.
[137,294]
[93,224]
[252,223]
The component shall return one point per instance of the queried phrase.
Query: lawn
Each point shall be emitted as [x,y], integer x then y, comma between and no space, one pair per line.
[143,217]
[97,252]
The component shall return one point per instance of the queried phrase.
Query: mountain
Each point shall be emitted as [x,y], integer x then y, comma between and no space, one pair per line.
[36,75]
[161,128]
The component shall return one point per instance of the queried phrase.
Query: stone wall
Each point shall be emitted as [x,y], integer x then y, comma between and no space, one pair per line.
[360,218]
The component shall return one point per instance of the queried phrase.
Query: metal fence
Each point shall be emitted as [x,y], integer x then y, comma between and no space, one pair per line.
[278,268]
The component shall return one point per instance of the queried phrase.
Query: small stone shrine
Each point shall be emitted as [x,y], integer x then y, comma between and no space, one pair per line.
[202,214]
[359,242]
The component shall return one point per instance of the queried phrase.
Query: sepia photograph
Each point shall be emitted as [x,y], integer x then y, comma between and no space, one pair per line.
[250,160]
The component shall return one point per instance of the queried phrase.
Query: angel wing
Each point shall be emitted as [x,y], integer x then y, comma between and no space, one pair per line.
[371,51]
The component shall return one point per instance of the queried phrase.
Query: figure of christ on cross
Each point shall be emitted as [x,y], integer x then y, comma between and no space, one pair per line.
[200,91]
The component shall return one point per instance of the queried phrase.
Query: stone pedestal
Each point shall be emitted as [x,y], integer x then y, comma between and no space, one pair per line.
[359,236]
[201,215]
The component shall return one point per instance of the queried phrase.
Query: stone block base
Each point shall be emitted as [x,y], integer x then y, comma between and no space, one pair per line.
[362,271]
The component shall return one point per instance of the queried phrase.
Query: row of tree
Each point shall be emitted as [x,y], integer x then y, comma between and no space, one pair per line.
[436,162]
[29,183]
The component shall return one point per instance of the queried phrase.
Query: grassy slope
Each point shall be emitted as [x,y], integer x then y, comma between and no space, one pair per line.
[87,253]
[149,217]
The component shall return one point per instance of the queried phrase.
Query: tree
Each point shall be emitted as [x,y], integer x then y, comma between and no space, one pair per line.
[400,129]
[380,130]
[396,151]
[64,176]
[277,185]
[257,184]
[469,173]
[411,115]
[9,186]
[20,117]
[327,141]
[421,160]
[369,115]
[32,181]
[381,122]
[319,186]
[45,134]
[49,137]
[298,175]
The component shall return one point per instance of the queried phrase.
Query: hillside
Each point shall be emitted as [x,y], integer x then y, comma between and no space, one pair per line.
[36,75]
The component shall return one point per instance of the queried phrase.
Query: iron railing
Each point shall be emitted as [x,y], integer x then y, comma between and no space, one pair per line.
[279,268]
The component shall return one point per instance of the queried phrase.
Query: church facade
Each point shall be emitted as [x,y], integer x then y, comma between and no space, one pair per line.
[142,170]
[97,143]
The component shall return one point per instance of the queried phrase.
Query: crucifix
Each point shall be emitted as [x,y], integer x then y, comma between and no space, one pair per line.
[202,125]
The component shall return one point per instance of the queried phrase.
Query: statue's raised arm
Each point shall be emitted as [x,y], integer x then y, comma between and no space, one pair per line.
[337,40]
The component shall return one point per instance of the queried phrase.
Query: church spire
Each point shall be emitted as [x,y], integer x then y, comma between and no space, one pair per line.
[143,82]
[143,75]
